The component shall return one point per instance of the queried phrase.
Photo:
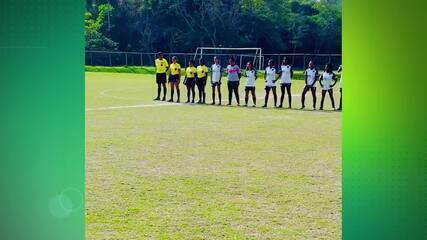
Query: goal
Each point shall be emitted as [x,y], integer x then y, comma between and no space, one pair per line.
[242,55]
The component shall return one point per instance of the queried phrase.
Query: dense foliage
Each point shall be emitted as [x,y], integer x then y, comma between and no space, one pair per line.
[309,26]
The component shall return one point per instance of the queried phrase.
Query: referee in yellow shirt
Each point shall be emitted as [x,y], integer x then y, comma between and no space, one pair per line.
[202,75]
[162,67]
[174,78]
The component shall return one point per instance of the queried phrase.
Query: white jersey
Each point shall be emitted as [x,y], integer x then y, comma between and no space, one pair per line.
[327,80]
[216,72]
[250,78]
[270,77]
[311,76]
[286,74]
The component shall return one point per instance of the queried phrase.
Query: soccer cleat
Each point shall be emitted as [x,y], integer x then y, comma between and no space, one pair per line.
[302,107]
[157,99]
[339,109]
[164,99]
[245,105]
[170,100]
[219,104]
[228,104]
[254,105]
[280,106]
[321,109]
[188,101]
[213,103]
[264,106]
[178,101]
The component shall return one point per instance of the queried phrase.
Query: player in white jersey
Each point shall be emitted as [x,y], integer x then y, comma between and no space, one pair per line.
[250,74]
[233,75]
[340,71]
[327,81]
[271,77]
[286,74]
[310,84]
[216,74]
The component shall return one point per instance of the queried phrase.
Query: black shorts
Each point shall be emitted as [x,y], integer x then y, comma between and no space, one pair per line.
[214,84]
[268,88]
[306,88]
[233,83]
[160,78]
[190,82]
[201,81]
[174,78]
[249,88]
[285,84]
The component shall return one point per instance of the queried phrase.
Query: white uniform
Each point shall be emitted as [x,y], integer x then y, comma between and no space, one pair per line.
[250,78]
[327,80]
[270,77]
[285,78]
[311,76]
[216,73]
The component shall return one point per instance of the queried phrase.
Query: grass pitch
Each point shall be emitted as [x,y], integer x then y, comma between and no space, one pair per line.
[177,171]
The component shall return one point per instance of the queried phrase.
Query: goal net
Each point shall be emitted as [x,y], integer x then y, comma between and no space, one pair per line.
[242,55]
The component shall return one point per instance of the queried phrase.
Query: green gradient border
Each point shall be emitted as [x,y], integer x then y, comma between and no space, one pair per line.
[42,120]
[384,128]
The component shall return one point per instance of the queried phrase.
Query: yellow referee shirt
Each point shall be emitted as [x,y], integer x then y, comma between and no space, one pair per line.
[175,68]
[161,65]
[202,71]
[191,72]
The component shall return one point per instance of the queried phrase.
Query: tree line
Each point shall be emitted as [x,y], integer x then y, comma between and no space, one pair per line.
[277,26]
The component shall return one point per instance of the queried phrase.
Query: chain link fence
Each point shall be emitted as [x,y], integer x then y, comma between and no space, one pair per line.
[299,61]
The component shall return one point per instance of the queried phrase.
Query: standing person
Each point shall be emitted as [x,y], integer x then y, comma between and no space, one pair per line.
[190,80]
[202,74]
[250,83]
[162,67]
[286,74]
[174,78]
[340,71]
[327,82]
[310,84]
[271,77]
[216,71]
[233,71]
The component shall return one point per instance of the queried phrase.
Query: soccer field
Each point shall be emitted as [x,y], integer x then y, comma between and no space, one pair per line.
[175,171]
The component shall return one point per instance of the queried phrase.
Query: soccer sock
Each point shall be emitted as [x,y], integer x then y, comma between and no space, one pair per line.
[172,92]
[254,99]
[188,93]
[164,90]
[159,89]
[178,93]
[193,92]
[275,98]
[213,94]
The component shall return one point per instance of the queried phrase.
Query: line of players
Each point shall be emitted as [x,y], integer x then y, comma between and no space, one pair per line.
[197,76]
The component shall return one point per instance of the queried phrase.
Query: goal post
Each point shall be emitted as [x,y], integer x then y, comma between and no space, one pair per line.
[255,54]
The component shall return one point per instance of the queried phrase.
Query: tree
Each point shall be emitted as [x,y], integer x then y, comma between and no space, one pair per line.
[94,38]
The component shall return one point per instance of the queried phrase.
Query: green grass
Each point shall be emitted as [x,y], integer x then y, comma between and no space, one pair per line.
[207,172]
